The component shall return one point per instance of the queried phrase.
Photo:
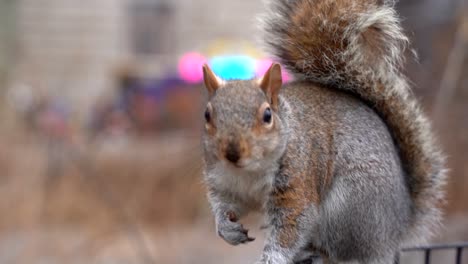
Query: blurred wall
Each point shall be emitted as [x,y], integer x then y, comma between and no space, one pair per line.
[66,47]
[202,21]
[71,48]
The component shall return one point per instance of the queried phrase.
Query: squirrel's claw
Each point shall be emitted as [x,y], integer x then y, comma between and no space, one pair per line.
[234,233]
[249,239]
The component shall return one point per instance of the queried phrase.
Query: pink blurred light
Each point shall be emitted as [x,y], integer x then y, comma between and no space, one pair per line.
[262,66]
[190,67]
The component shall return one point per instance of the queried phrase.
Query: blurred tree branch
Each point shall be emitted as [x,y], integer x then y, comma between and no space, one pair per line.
[454,67]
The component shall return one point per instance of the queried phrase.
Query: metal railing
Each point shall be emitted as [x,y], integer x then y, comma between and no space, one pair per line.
[457,247]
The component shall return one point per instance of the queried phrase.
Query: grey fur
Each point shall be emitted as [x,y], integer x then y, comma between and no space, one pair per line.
[363,68]
[368,201]
[333,175]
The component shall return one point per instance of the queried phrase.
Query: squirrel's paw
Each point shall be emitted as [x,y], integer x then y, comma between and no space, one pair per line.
[274,259]
[234,233]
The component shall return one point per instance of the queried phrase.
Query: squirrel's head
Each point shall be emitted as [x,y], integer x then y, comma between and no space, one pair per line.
[243,128]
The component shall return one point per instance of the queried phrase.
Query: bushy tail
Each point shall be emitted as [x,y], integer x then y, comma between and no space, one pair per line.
[358,46]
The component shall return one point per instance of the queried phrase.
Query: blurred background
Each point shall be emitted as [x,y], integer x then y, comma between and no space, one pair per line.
[101,106]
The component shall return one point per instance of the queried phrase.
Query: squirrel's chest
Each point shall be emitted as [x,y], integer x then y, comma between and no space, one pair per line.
[250,188]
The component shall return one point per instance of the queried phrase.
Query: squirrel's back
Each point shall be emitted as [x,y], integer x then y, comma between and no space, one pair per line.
[358,46]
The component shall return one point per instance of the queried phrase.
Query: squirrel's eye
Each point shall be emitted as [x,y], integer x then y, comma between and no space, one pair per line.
[267,116]
[207,115]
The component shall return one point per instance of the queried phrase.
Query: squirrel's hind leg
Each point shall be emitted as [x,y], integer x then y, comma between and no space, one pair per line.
[290,232]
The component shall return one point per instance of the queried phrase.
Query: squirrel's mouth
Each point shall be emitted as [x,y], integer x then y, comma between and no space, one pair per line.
[237,165]
[240,164]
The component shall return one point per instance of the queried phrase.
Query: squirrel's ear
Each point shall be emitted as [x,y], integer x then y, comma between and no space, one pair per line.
[212,82]
[271,84]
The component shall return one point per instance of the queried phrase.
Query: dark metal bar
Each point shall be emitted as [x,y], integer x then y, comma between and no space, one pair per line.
[458,257]
[437,247]
[427,256]
[397,258]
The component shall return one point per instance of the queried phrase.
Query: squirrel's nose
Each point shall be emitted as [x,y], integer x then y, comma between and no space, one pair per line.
[232,153]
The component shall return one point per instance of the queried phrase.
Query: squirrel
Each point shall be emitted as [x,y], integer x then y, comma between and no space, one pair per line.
[341,161]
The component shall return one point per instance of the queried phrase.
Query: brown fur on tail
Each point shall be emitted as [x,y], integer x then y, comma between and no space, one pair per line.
[358,46]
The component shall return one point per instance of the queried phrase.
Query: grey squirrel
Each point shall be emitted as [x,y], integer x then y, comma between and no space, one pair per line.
[341,161]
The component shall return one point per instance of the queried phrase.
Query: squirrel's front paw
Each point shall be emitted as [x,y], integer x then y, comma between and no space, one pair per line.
[234,233]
